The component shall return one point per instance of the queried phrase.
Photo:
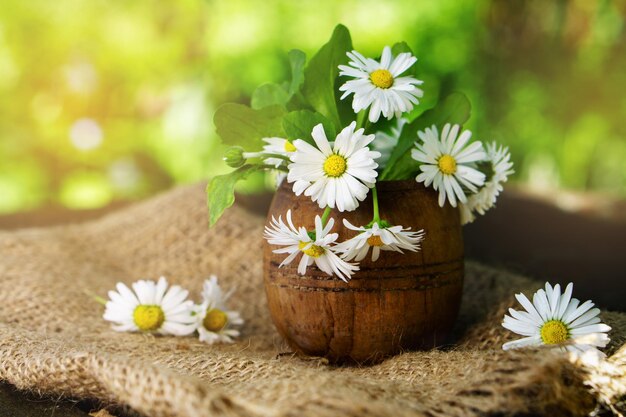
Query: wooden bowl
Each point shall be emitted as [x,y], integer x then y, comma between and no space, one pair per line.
[400,302]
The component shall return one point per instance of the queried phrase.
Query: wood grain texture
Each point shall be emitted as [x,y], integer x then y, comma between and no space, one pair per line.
[402,301]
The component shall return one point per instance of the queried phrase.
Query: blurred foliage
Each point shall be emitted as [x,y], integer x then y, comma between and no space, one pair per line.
[104,100]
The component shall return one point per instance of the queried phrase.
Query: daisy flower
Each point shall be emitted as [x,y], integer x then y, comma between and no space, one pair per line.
[556,319]
[377,237]
[277,146]
[150,307]
[340,175]
[447,162]
[213,319]
[379,84]
[500,165]
[315,248]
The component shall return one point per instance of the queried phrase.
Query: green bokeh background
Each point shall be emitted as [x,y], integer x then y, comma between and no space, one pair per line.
[105,100]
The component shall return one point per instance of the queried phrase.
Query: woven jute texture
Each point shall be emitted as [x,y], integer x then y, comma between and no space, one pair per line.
[53,340]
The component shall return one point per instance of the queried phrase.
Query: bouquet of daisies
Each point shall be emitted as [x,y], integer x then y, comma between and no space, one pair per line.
[340,124]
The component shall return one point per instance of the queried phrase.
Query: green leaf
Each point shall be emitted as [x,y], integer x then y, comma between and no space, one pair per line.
[344,107]
[401,48]
[321,72]
[298,102]
[274,94]
[297,59]
[268,95]
[453,109]
[221,191]
[299,124]
[240,125]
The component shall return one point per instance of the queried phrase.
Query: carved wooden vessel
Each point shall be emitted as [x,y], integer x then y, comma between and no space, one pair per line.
[397,303]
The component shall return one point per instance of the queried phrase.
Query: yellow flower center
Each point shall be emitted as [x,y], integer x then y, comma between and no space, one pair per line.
[215,320]
[148,317]
[447,164]
[314,251]
[289,147]
[554,332]
[381,78]
[335,165]
[375,240]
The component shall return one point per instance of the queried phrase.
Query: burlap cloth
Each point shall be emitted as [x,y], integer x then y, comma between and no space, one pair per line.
[53,340]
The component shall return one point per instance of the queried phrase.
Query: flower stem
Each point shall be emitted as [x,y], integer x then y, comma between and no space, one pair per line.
[376,218]
[360,119]
[366,125]
[95,297]
[272,167]
[251,155]
[325,216]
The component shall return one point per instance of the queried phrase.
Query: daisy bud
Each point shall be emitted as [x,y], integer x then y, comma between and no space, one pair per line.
[234,157]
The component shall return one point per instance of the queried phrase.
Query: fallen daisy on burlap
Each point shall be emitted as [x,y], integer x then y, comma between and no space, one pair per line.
[213,319]
[557,320]
[151,307]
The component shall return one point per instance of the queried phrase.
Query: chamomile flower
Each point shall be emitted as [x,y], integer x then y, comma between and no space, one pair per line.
[500,165]
[447,162]
[557,320]
[379,84]
[277,146]
[213,319]
[150,307]
[338,176]
[315,247]
[377,237]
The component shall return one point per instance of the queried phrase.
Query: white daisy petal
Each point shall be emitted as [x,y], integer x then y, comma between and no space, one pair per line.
[565,299]
[127,294]
[146,291]
[174,296]
[126,327]
[526,341]
[584,318]
[520,328]
[177,329]
[582,309]
[540,301]
[569,311]
[593,328]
